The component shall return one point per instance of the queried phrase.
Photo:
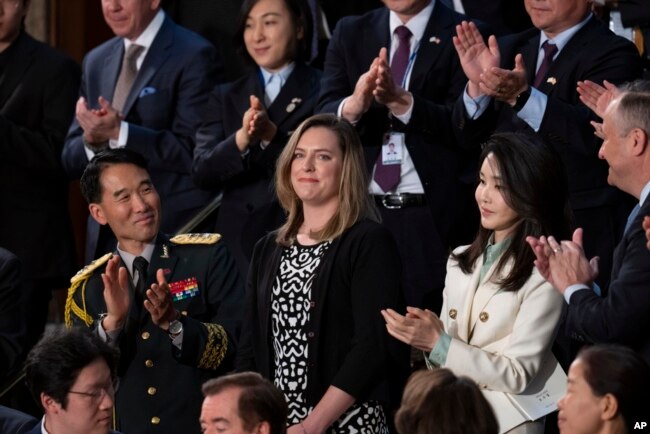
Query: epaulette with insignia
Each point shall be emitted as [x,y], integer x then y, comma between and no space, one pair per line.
[78,280]
[86,271]
[196,238]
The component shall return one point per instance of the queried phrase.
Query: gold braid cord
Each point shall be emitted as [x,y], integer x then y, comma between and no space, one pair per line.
[215,349]
[72,307]
[80,279]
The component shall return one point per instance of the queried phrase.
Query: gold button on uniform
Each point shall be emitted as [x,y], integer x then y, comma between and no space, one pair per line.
[152,391]
[145,335]
[155,420]
[148,363]
[483,316]
[453,313]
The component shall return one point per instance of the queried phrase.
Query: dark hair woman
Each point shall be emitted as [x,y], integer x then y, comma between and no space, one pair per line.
[247,123]
[499,315]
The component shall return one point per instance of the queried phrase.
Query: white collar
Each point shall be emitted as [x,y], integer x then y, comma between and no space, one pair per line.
[283,73]
[644,194]
[417,24]
[128,258]
[563,38]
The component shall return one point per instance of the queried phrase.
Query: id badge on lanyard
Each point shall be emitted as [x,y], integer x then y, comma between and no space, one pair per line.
[392,149]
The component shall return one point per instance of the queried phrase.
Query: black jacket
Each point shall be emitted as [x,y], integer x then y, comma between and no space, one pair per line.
[349,347]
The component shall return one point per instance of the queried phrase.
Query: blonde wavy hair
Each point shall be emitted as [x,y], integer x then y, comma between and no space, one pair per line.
[354,201]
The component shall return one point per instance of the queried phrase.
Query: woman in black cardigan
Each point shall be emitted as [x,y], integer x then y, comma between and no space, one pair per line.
[316,287]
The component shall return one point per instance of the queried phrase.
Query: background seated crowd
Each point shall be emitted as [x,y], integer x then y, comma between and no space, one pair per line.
[429,188]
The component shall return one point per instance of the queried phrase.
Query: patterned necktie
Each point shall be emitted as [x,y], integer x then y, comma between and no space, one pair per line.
[387,176]
[550,50]
[127,76]
[140,265]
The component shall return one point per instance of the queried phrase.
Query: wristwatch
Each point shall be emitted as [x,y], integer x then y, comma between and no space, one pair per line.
[175,328]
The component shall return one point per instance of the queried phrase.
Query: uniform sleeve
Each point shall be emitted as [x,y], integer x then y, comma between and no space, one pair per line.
[212,344]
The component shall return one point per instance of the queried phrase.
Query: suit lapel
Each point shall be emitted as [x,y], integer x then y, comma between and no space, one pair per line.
[112,66]
[530,52]
[380,36]
[436,36]
[570,51]
[466,307]
[22,56]
[163,258]
[291,95]
[156,56]
[488,289]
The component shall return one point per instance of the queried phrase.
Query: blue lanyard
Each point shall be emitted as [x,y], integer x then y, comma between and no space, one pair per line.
[409,65]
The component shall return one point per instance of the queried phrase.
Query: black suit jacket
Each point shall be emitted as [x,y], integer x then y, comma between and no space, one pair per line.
[358,276]
[12,315]
[148,359]
[163,110]
[436,80]
[622,316]
[249,209]
[593,53]
[35,111]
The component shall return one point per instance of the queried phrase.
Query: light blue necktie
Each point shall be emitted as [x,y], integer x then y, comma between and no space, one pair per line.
[632,216]
[272,89]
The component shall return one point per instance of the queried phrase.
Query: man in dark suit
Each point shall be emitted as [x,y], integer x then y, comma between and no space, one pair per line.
[621,316]
[144,89]
[174,314]
[71,374]
[515,86]
[426,204]
[38,87]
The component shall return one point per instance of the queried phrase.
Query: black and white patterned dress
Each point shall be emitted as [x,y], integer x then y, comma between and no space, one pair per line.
[290,313]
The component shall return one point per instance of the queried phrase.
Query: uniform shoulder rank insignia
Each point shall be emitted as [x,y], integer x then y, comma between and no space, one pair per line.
[79,280]
[86,271]
[206,238]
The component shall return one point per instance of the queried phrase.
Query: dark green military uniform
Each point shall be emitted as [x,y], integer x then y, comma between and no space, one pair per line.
[160,385]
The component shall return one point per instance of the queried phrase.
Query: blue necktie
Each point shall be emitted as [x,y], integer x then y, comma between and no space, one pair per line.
[272,89]
[632,216]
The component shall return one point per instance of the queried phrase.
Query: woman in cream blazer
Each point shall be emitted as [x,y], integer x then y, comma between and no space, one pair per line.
[499,316]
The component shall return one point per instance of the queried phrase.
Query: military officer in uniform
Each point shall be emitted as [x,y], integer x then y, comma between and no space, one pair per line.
[172,306]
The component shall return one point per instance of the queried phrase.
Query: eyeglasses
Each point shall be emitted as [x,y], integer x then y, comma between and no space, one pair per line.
[99,394]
